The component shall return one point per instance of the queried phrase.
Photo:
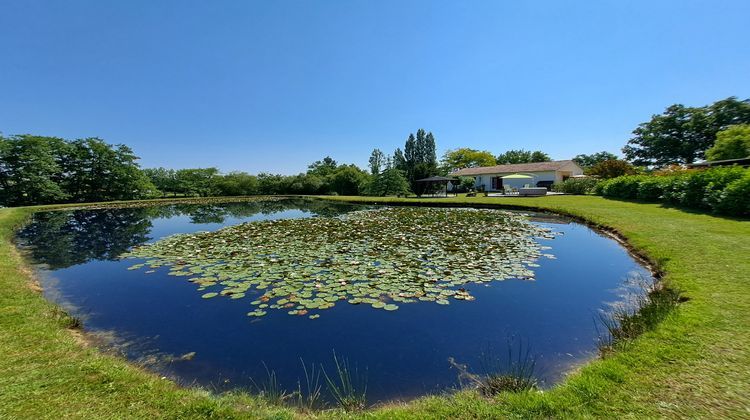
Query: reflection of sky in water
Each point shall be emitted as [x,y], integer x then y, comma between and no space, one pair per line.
[405,352]
[181,224]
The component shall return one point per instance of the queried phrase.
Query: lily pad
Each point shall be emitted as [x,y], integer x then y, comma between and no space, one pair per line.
[400,255]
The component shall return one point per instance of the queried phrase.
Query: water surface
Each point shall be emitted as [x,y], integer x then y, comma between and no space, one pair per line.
[156,318]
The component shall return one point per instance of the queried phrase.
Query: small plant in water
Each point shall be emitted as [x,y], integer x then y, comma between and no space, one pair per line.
[270,389]
[64,318]
[309,398]
[512,374]
[645,305]
[348,387]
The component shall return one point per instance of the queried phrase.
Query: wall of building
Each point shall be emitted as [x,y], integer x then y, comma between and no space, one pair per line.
[486,180]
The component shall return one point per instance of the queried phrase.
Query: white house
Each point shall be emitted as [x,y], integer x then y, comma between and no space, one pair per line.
[543,174]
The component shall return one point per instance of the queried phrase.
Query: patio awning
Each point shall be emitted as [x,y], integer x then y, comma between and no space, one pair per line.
[437,179]
[517,176]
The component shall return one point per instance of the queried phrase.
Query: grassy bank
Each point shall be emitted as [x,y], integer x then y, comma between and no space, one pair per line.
[694,364]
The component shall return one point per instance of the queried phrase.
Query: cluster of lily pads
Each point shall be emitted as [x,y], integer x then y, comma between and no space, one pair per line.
[381,257]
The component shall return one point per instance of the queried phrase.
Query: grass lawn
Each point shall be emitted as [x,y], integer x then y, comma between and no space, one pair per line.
[695,364]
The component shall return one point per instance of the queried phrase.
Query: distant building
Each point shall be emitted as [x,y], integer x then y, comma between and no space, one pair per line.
[744,162]
[543,174]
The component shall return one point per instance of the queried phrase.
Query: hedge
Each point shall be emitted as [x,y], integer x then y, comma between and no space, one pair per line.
[722,190]
[578,186]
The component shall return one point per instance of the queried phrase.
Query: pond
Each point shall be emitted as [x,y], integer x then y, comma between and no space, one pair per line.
[216,294]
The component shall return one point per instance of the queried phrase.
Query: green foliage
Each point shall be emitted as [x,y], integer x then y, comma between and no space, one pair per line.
[466,183]
[652,188]
[577,186]
[322,168]
[390,182]
[735,198]
[456,159]
[348,387]
[611,169]
[587,161]
[197,181]
[165,180]
[732,143]
[37,170]
[644,308]
[522,156]
[419,159]
[718,189]
[683,134]
[31,170]
[377,161]
[623,186]
[237,183]
[348,180]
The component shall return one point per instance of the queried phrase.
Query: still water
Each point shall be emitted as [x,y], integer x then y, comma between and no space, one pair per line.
[157,319]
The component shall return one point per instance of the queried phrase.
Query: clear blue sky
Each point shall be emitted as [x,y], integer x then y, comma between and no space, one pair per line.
[273,85]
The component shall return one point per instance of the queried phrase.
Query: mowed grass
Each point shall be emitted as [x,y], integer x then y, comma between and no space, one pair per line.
[694,364]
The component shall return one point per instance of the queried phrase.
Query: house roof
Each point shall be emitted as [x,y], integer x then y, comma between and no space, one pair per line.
[726,162]
[516,167]
[436,179]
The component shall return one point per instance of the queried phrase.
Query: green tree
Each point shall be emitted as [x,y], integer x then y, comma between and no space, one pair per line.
[611,169]
[165,180]
[683,134]
[197,181]
[732,143]
[587,161]
[349,180]
[269,184]
[322,168]
[389,182]
[377,161]
[399,160]
[98,171]
[521,156]
[237,183]
[30,170]
[420,158]
[464,157]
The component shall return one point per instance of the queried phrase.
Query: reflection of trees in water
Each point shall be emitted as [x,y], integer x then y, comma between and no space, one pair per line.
[62,239]
[217,213]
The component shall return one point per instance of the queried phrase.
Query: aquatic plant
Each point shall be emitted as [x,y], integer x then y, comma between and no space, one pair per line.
[309,398]
[643,306]
[514,373]
[348,387]
[270,389]
[379,258]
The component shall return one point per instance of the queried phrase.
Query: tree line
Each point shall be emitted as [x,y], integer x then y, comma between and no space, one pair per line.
[39,169]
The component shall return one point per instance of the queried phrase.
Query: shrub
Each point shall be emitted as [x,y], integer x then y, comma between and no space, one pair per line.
[576,186]
[623,186]
[652,188]
[722,189]
[718,179]
[611,169]
[735,199]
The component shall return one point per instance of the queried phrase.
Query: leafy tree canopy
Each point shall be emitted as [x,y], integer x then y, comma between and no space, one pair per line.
[38,170]
[587,161]
[683,134]
[377,161]
[612,169]
[466,158]
[389,182]
[522,156]
[732,143]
